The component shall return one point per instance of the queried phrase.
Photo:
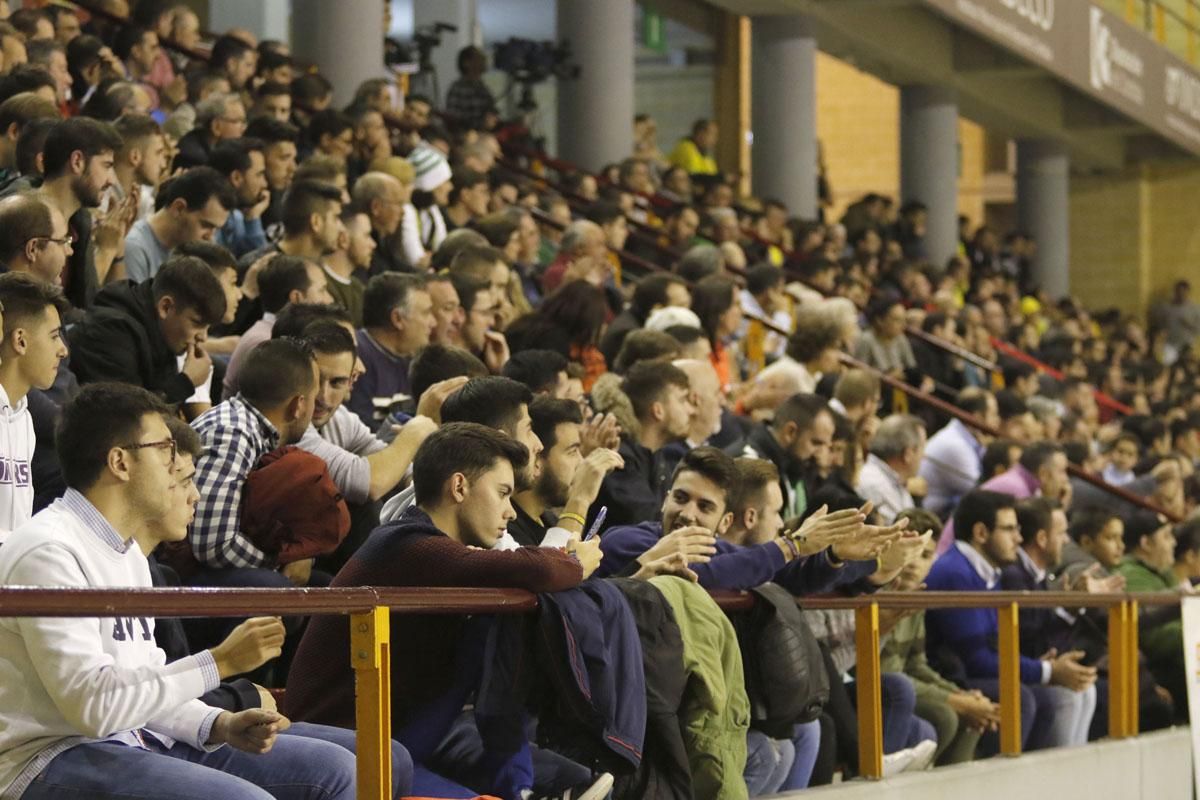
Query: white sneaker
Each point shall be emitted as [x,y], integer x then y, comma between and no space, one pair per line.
[897,762]
[923,755]
[597,789]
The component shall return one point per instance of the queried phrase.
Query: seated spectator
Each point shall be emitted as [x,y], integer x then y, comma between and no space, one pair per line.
[707,401]
[192,207]
[348,265]
[651,293]
[424,228]
[136,331]
[31,350]
[476,333]
[219,117]
[883,345]
[311,223]
[118,457]
[715,301]
[661,400]
[139,165]
[764,298]
[464,479]
[384,198]
[1016,420]
[34,238]
[284,280]
[15,113]
[570,322]
[1057,690]
[272,408]
[244,166]
[890,474]
[397,322]
[958,716]
[469,197]
[581,257]
[489,264]
[801,429]
[1123,455]
[811,352]
[543,371]
[953,460]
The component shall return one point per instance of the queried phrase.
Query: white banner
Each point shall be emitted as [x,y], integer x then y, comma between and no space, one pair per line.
[1191,663]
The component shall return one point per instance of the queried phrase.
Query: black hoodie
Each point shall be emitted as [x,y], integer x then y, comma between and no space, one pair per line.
[121,339]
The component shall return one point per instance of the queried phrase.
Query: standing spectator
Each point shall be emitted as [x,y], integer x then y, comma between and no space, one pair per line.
[30,352]
[136,331]
[192,207]
[1181,319]
[469,103]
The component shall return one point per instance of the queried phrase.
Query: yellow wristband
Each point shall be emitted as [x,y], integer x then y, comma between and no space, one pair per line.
[571,515]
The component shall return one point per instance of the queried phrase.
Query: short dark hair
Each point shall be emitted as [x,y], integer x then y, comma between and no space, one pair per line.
[468,287]
[1187,537]
[754,475]
[1035,455]
[21,108]
[717,466]
[973,400]
[276,371]
[128,38]
[979,505]
[646,382]
[22,217]
[1010,405]
[388,291]
[25,20]
[292,319]
[435,363]
[227,47]
[647,345]
[102,416]
[492,400]
[192,285]
[23,296]
[537,369]
[801,409]
[88,136]
[196,187]
[282,275]
[272,89]
[1015,371]
[217,257]
[31,143]
[815,332]
[464,178]
[762,277]
[233,155]
[25,78]
[329,121]
[651,291]
[547,413]
[604,213]
[135,127]
[995,455]
[271,130]
[461,447]
[1088,522]
[1033,515]
[187,441]
[328,337]
[476,260]
[310,86]
[304,199]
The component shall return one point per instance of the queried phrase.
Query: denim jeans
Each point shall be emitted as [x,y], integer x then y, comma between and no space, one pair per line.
[297,768]
[402,764]
[806,741]
[902,728]
[768,762]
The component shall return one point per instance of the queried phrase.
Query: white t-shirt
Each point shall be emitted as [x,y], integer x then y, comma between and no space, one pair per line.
[16,455]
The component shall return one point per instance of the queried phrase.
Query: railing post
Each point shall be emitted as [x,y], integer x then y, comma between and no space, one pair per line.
[1134,690]
[870,702]
[1123,678]
[1010,680]
[370,655]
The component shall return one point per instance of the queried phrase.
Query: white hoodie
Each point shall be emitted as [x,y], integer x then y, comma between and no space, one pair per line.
[16,456]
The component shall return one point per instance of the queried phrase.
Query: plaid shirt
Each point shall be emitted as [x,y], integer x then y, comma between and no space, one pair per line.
[469,101]
[235,436]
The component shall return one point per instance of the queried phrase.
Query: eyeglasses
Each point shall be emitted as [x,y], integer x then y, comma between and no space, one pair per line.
[160,445]
[65,241]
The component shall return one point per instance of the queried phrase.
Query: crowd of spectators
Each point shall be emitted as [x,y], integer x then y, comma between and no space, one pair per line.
[251,339]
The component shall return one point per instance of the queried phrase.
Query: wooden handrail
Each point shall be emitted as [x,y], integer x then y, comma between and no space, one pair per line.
[97,11]
[1101,398]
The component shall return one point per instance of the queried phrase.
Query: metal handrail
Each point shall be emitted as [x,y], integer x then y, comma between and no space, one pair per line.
[369,609]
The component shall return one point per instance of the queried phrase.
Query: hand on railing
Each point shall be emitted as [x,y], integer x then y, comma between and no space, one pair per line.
[250,645]
[251,731]
[1066,671]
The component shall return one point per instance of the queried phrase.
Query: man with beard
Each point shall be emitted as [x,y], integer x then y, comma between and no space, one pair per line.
[568,483]
[1061,697]
[243,164]
[311,224]
[77,162]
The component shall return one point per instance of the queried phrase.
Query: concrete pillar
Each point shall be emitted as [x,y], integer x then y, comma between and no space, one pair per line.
[929,163]
[345,38]
[784,102]
[266,19]
[1043,210]
[595,110]
[463,14]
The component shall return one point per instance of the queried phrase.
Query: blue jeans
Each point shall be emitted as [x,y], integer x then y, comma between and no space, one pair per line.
[989,743]
[806,741]
[902,727]
[767,763]
[402,764]
[297,768]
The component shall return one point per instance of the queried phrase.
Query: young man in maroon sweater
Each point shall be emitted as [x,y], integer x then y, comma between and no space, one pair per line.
[464,480]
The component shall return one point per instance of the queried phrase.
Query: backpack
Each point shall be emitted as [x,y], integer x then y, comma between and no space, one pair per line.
[291,508]
[785,674]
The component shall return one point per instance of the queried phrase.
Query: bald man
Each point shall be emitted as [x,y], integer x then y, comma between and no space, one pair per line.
[33,237]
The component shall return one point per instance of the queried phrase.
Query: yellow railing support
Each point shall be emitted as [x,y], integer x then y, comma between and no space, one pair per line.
[370,655]
[1131,12]
[870,703]
[1134,691]
[1118,677]
[1010,680]
[1160,23]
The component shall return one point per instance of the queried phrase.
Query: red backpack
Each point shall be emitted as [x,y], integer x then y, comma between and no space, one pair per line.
[291,508]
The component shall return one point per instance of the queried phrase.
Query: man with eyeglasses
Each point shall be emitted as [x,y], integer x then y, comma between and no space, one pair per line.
[89,706]
[1058,694]
[219,117]
[34,238]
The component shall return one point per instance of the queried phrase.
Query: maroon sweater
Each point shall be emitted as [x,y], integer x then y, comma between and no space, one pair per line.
[410,552]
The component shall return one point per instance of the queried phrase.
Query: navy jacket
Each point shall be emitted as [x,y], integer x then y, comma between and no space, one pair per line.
[735,567]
